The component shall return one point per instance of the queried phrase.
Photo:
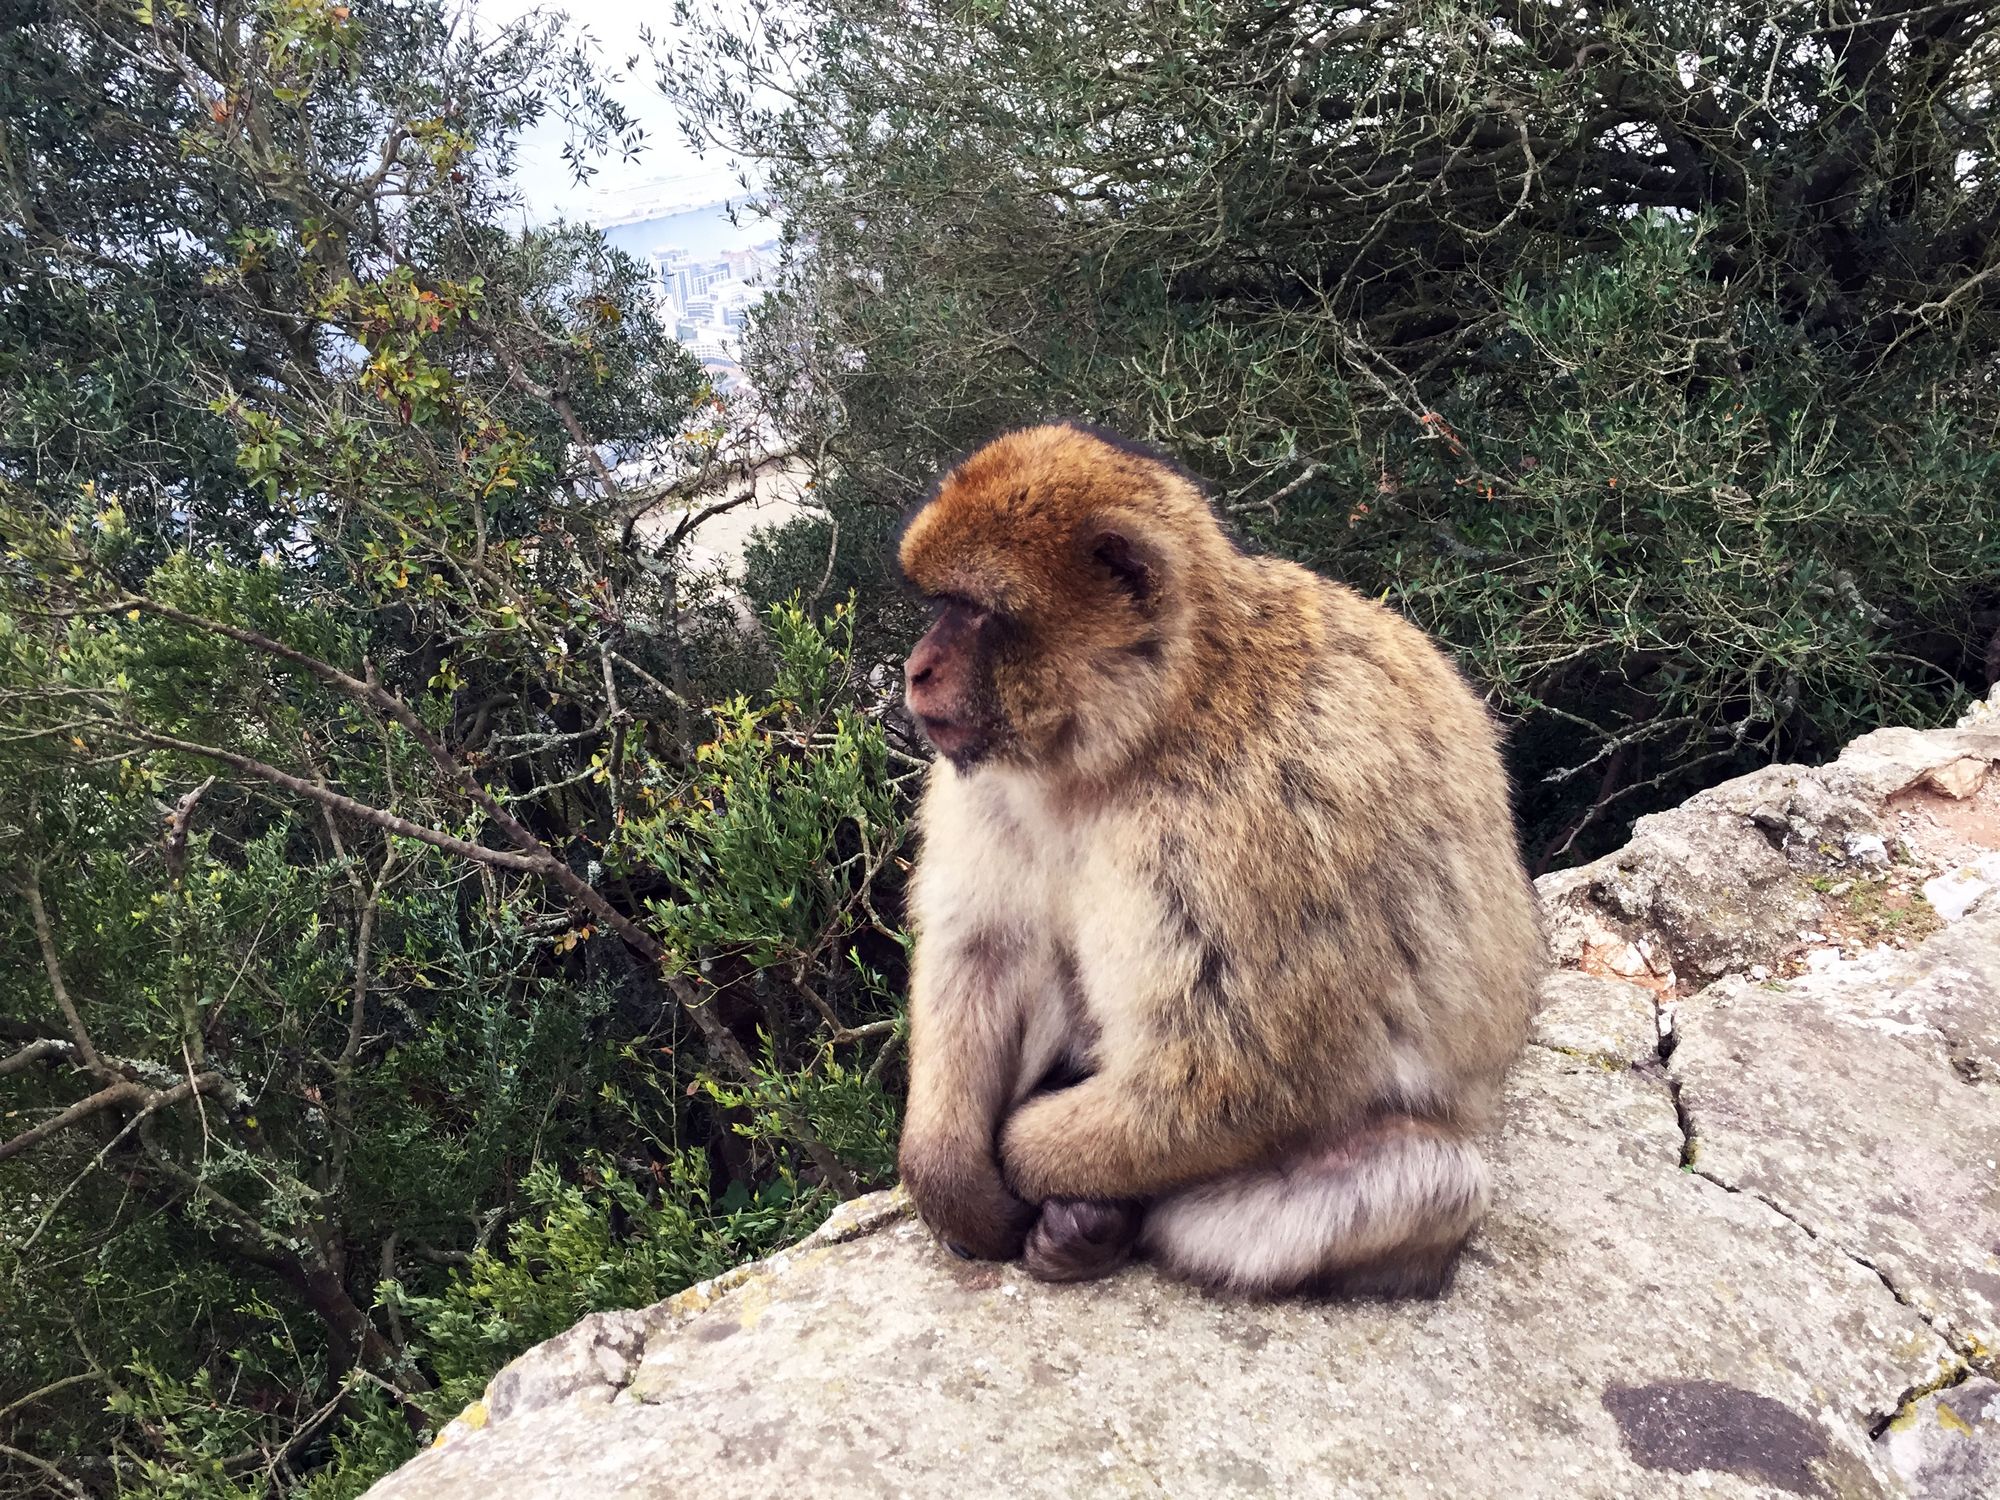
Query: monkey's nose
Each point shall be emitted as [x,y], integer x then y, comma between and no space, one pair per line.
[921,667]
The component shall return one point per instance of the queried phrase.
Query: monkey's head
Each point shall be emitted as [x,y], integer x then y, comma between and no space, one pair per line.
[1063,566]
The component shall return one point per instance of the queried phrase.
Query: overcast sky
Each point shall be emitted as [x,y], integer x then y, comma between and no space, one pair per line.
[666,163]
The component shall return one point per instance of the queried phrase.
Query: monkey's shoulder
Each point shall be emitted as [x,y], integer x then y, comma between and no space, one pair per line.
[1331,673]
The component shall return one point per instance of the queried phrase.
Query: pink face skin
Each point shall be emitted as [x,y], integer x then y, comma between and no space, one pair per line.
[948,683]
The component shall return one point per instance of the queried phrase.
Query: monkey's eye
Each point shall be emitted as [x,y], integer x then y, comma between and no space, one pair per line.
[970,610]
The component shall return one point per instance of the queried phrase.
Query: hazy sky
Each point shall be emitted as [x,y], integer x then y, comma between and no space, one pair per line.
[665,164]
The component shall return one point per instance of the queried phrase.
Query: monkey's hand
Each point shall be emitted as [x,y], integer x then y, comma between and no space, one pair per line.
[1118,1137]
[959,1194]
[1042,1149]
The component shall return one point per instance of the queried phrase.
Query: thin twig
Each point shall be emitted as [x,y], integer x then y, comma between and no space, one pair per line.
[68,1485]
[45,937]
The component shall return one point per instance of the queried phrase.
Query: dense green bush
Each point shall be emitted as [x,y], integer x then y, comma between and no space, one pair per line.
[1647,354]
[428,916]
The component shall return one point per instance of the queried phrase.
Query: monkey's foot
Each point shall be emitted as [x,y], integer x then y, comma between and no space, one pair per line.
[1078,1238]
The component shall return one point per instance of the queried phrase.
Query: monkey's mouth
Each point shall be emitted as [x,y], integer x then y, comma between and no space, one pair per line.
[956,739]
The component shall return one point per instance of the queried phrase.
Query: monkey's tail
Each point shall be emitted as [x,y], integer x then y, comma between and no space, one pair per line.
[1382,1211]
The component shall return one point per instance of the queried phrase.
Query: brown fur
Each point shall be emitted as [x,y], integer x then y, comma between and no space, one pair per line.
[1264,823]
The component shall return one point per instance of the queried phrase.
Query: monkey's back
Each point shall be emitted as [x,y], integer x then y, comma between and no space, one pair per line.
[1335,803]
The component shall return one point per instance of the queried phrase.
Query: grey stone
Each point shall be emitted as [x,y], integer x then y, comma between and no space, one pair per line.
[1706,882]
[1735,875]
[1610,1297]
[1600,1020]
[1984,712]
[1745,1242]
[592,1361]
[1884,762]
[1850,1098]
[1958,891]
[1947,1446]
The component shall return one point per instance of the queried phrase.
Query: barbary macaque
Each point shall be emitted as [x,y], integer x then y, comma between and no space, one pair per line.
[1224,946]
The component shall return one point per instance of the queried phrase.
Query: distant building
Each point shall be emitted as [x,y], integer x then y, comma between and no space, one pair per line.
[685,280]
[750,266]
[708,294]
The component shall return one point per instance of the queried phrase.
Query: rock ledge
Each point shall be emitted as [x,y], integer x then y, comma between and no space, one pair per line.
[1746,1240]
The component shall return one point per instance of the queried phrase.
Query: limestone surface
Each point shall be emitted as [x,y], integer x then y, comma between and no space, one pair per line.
[1848,1099]
[1745,1242]
[1947,1446]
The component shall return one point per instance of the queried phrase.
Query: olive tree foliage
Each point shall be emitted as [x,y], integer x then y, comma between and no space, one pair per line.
[1647,353]
[429,913]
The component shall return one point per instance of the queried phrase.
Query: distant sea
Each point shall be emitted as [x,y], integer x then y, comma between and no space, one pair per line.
[704,230]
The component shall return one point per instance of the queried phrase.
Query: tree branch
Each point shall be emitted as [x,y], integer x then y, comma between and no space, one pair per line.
[330,798]
[122,1092]
[45,937]
[33,1053]
[357,1014]
[56,1476]
[115,1096]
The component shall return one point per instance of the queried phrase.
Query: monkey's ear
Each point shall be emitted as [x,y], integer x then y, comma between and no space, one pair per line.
[1131,565]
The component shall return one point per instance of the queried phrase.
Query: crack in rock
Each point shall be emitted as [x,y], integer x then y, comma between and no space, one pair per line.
[1966,1363]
